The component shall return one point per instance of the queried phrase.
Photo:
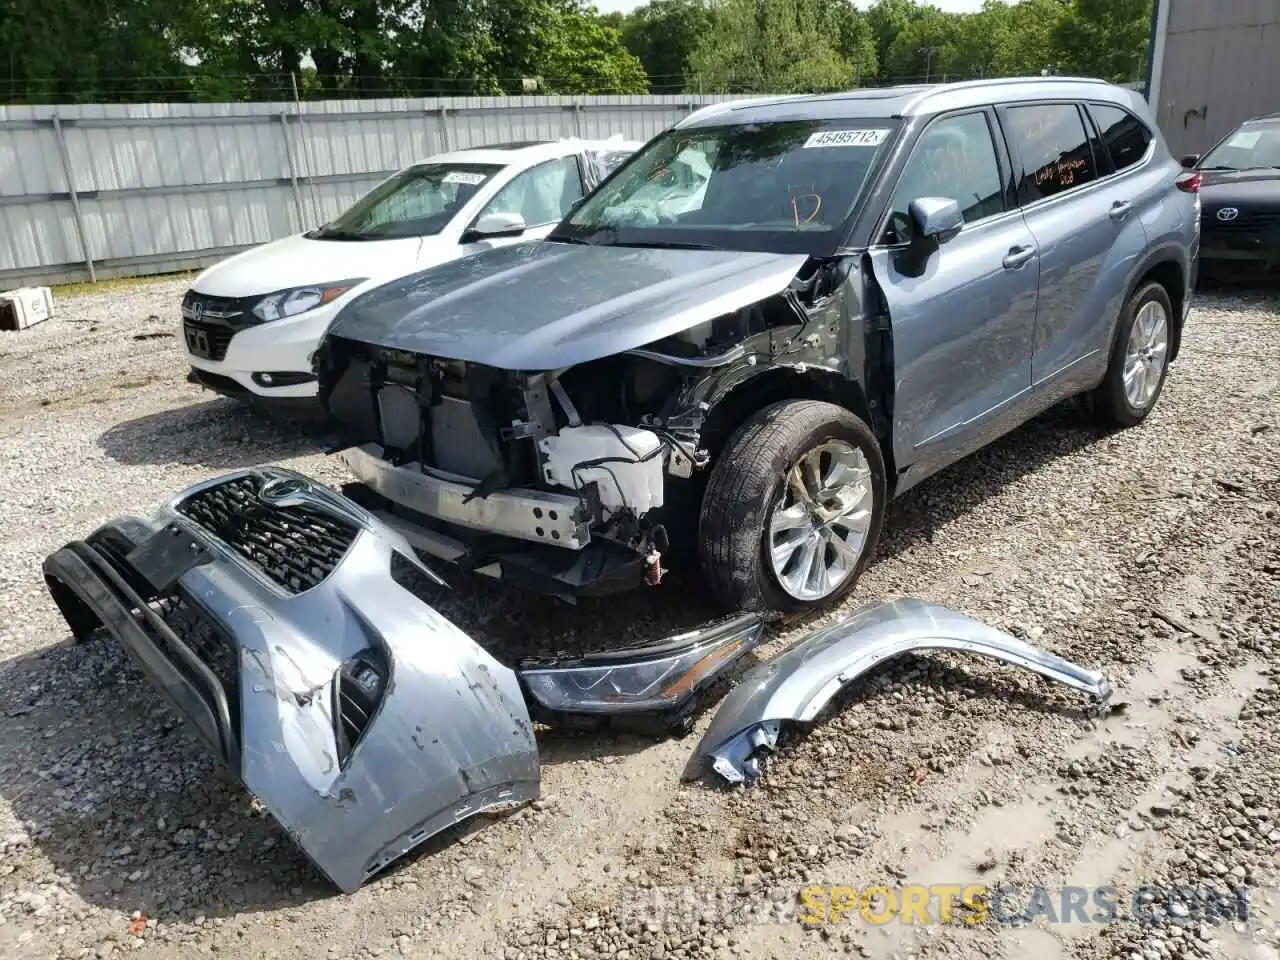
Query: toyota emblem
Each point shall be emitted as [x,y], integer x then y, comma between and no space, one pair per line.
[278,490]
[1227,214]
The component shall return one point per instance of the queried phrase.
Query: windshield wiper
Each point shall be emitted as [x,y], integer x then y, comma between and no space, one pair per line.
[333,233]
[670,245]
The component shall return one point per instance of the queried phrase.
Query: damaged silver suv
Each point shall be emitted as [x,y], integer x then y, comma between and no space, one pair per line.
[772,319]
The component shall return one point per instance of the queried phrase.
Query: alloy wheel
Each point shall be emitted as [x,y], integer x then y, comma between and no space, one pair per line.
[1146,355]
[818,528]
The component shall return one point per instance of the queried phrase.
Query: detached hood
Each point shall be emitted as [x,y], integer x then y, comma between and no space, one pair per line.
[297,261]
[542,306]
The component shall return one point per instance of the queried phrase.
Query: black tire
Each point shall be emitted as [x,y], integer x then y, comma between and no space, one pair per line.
[1108,402]
[749,478]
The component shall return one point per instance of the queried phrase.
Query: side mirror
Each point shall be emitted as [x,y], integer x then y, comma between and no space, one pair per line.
[493,225]
[1190,160]
[934,220]
[937,219]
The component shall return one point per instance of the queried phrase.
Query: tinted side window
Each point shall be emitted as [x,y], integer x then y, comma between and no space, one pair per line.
[1053,147]
[1124,136]
[955,158]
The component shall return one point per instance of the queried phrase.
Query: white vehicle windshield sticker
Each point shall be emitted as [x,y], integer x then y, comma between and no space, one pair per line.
[462,176]
[847,138]
[1245,139]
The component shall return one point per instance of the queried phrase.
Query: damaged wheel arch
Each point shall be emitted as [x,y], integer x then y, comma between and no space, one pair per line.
[797,684]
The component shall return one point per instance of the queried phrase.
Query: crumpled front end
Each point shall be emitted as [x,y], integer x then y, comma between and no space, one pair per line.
[294,632]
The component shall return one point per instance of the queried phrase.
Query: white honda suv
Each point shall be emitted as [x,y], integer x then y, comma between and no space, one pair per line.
[251,323]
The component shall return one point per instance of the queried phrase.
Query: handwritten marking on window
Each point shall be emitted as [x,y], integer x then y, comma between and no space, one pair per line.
[1063,172]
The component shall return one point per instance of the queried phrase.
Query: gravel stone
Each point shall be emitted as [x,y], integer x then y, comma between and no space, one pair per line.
[1153,553]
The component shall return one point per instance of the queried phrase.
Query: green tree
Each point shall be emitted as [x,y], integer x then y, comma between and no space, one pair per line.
[886,19]
[64,50]
[663,33]
[1104,38]
[769,46]
[929,46]
[584,55]
[856,39]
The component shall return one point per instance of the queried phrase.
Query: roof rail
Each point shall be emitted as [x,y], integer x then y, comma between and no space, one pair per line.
[712,109]
[934,90]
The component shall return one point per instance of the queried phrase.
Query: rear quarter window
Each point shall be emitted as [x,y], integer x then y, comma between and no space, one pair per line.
[1052,148]
[1125,138]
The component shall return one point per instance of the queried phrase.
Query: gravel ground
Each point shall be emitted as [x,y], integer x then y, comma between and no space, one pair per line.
[1152,553]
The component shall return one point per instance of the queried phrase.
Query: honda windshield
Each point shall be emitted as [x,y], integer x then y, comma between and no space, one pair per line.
[782,187]
[415,202]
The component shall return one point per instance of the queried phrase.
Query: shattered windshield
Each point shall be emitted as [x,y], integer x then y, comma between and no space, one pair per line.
[783,187]
[415,202]
[1253,146]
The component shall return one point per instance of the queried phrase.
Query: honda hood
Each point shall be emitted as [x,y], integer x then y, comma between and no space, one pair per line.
[544,306]
[299,261]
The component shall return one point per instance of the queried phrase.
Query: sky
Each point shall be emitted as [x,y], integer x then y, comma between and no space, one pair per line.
[951,6]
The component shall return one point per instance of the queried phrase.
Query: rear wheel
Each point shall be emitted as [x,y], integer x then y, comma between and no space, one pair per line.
[1139,359]
[793,508]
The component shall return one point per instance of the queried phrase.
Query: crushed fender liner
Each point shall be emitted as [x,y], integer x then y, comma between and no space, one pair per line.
[795,685]
[294,632]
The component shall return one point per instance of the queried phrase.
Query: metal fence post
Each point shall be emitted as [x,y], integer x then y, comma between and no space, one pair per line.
[307,151]
[578,109]
[75,197]
[446,134]
[293,169]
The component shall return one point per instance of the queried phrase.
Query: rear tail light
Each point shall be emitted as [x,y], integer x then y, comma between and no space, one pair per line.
[1189,182]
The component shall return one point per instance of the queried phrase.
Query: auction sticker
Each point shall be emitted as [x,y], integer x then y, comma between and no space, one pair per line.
[847,138]
[463,176]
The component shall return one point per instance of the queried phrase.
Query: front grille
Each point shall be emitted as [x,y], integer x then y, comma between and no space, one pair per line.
[207,340]
[296,546]
[197,306]
[1248,221]
[207,640]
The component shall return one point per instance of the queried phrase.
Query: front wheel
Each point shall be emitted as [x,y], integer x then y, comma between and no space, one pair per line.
[793,508]
[1139,359]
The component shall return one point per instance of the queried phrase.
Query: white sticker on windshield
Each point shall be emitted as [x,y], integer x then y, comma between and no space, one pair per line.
[847,138]
[462,176]
[1245,139]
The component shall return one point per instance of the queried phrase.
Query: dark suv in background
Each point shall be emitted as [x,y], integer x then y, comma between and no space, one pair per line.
[1239,183]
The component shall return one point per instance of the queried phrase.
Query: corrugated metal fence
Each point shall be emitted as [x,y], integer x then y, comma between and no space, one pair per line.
[96,191]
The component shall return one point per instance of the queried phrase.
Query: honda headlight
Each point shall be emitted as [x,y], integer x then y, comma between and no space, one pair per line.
[290,303]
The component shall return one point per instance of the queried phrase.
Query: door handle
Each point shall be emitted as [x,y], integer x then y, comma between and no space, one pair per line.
[1017,256]
[1120,209]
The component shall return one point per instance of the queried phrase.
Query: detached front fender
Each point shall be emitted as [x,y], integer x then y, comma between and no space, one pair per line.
[798,683]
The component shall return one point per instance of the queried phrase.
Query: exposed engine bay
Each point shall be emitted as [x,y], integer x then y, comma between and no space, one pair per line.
[515,473]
